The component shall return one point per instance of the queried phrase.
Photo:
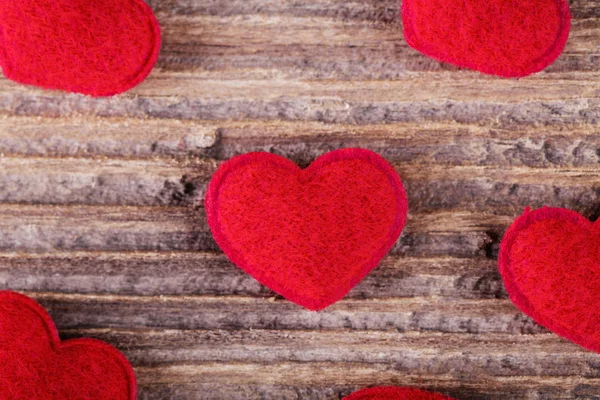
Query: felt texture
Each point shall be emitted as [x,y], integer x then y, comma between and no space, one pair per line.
[98,48]
[310,235]
[550,263]
[36,365]
[395,393]
[508,38]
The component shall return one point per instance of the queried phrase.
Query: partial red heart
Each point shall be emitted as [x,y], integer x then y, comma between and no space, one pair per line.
[395,393]
[99,48]
[310,235]
[550,263]
[36,365]
[509,38]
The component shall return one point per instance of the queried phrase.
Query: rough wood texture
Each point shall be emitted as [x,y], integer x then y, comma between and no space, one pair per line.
[101,217]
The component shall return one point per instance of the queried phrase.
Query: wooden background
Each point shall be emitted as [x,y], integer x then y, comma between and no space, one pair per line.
[100,217]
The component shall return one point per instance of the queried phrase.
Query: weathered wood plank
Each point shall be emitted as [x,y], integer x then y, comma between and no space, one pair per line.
[354,376]
[89,137]
[212,274]
[409,143]
[461,97]
[102,181]
[488,389]
[422,353]
[291,47]
[85,228]
[505,190]
[440,314]
[421,144]
[393,358]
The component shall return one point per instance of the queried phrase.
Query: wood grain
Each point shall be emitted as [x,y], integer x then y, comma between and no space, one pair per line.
[101,215]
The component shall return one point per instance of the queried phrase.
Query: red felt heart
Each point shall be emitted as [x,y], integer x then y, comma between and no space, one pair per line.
[509,38]
[550,263]
[310,235]
[99,48]
[36,365]
[395,393]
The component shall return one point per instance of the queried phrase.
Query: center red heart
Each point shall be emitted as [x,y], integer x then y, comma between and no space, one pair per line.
[550,263]
[310,235]
[509,38]
[395,393]
[36,365]
[100,47]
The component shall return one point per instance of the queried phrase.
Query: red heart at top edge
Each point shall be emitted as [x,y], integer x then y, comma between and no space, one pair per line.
[310,235]
[98,48]
[506,38]
[36,365]
[550,263]
[395,393]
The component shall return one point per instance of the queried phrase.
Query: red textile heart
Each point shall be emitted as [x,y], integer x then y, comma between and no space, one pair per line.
[509,38]
[550,263]
[99,48]
[310,235]
[395,393]
[36,365]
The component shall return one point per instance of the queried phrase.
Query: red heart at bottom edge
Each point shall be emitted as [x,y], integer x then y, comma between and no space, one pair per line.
[395,393]
[310,235]
[36,365]
[550,263]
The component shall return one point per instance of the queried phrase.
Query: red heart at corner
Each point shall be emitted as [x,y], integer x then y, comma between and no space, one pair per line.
[395,393]
[99,48]
[550,263]
[509,38]
[36,365]
[310,235]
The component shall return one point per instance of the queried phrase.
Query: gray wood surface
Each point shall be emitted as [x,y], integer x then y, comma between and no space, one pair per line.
[101,217]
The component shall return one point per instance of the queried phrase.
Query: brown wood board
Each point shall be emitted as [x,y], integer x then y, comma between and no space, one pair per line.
[101,215]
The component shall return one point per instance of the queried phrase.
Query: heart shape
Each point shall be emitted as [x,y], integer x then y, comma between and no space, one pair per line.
[395,393]
[36,365]
[310,235]
[98,48]
[508,38]
[550,263]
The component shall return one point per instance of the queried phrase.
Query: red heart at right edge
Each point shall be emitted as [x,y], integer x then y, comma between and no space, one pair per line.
[508,38]
[550,264]
[395,393]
